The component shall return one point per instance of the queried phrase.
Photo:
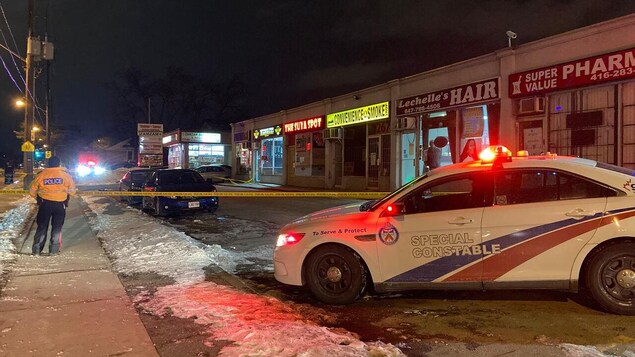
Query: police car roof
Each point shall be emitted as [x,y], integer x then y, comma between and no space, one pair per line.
[580,166]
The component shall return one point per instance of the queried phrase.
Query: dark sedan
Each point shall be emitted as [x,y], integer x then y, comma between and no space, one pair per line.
[133,180]
[178,180]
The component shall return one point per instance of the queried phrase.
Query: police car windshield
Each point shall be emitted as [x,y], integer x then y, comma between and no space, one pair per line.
[394,193]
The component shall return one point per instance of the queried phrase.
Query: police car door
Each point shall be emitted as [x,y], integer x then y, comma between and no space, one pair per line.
[541,219]
[438,233]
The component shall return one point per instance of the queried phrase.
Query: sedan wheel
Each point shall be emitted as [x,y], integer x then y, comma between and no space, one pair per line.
[611,278]
[158,210]
[335,275]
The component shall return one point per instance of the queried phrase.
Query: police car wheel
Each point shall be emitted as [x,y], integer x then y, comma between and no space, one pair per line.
[335,275]
[144,206]
[611,278]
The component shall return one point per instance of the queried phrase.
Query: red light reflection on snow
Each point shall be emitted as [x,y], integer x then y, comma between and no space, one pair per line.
[247,307]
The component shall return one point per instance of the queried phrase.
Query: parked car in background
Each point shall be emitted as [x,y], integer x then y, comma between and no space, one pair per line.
[127,165]
[133,180]
[218,173]
[178,180]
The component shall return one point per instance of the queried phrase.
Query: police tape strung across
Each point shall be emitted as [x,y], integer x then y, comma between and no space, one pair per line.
[361,195]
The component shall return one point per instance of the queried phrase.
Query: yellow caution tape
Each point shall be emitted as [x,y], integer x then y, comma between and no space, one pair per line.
[14,192]
[362,195]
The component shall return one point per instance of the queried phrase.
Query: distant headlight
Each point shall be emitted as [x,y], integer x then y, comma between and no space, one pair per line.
[99,170]
[82,170]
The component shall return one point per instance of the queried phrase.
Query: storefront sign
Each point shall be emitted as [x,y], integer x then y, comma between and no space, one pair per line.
[304,125]
[592,70]
[265,132]
[173,138]
[150,138]
[145,127]
[241,136]
[471,93]
[190,137]
[150,133]
[359,115]
[150,148]
[150,160]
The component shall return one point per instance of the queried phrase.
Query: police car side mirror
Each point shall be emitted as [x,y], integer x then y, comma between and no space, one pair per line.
[393,209]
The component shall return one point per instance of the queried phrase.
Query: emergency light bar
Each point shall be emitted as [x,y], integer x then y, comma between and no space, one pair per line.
[495,154]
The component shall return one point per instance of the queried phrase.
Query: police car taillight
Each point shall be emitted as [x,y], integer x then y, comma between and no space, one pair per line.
[288,239]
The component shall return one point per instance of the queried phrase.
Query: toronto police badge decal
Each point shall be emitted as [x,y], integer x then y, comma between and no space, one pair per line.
[388,234]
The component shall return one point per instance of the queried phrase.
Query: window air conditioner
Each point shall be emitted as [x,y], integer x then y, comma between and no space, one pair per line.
[534,105]
[333,133]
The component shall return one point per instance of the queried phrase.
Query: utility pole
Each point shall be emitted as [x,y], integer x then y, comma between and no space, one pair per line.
[28,100]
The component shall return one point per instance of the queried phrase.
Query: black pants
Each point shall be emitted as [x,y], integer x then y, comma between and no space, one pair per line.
[55,212]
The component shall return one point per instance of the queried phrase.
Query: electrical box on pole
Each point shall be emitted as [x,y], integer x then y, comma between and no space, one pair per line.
[48,51]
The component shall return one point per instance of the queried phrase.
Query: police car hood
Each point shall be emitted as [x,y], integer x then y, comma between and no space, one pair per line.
[338,212]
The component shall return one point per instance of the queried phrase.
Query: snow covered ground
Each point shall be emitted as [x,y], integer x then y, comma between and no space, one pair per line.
[258,325]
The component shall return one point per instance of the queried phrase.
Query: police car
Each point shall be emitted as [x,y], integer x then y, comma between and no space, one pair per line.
[523,222]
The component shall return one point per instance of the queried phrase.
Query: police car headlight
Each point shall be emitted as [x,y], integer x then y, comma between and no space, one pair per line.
[99,170]
[82,170]
[286,239]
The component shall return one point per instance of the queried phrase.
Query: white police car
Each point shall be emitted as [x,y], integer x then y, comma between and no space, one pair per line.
[544,222]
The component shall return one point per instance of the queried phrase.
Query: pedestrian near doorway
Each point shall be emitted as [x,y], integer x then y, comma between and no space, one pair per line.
[433,156]
[52,188]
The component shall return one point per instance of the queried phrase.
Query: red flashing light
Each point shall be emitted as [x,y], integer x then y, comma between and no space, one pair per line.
[394,209]
[495,153]
[288,239]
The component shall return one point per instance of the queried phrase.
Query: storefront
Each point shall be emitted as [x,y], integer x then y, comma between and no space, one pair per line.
[268,161]
[584,108]
[242,151]
[306,151]
[447,126]
[569,94]
[192,149]
[360,143]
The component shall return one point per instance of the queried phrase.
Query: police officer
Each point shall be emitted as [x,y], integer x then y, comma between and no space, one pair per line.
[52,189]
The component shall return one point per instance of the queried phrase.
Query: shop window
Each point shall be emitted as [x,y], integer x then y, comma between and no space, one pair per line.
[243,158]
[206,154]
[309,154]
[175,154]
[271,157]
[474,132]
[355,150]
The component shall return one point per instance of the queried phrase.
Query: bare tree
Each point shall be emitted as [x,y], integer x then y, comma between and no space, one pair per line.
[178,100]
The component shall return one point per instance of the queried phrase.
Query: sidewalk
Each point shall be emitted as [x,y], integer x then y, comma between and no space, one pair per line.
[71,304]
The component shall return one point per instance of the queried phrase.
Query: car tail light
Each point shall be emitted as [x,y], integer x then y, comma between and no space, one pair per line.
[150,188]
[286,239]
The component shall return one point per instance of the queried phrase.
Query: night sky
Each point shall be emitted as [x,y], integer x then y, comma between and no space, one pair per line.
[288,53]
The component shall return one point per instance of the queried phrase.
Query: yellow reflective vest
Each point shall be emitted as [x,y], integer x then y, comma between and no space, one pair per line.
[53,184]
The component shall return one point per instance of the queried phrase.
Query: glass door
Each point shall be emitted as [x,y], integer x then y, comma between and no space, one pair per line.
[374,162]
